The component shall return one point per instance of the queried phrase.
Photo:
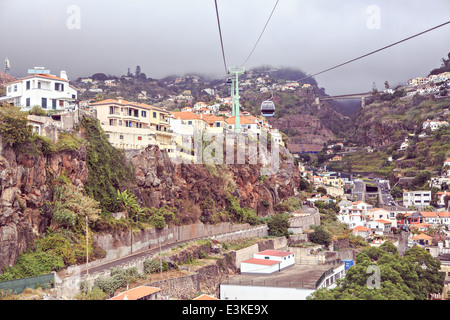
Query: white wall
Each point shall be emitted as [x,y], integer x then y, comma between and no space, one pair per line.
[286,261]
[237,292]
[259,268]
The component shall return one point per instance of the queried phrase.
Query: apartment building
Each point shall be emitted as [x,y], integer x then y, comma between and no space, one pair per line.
[133,125]
[418,199]
[40,88]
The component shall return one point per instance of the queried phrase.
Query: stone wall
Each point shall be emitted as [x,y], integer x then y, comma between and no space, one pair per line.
[315,255]
[119,245]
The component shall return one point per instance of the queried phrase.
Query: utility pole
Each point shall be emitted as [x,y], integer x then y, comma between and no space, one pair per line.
[233,111]
[87,246]
[236,71]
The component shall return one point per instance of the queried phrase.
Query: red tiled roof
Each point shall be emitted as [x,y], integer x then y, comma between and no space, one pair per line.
[428,214]
[422,236]
[265,262]
[383,221]
[361,228]
[136,293]
[444,214]
[186,116]
[205,297]
[242,119]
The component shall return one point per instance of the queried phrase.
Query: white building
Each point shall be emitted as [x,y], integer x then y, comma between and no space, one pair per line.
[294,283]
[418,199]
[433,124]
[40,88]
[267,262]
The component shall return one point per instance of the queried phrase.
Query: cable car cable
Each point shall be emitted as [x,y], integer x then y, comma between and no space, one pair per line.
[259,38]
[221,41]
[378,50]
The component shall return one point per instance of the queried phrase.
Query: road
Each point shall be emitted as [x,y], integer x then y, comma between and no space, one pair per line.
[359,190]
[384,195]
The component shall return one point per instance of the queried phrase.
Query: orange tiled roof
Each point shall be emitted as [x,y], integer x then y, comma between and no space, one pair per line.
[205,297]
[48,76]
[383,221]
[212,118]
[136,293]
[243,120]
[422,236]
[186,116]
[444,214]
[361,228]
[428,214]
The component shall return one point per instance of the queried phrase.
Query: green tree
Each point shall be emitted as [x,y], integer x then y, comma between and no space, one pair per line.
[412,277]
[278,225]
[320,236]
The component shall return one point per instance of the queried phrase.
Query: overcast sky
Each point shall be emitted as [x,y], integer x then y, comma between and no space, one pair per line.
[167,37]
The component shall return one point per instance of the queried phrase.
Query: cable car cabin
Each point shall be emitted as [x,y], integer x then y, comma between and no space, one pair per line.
[267,108]
[229,81]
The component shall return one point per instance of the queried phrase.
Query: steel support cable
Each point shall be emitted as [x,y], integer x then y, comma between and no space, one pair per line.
[221,40]
[262,32]
[378,50]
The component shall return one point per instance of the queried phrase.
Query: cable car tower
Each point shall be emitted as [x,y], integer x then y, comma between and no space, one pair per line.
[235,72]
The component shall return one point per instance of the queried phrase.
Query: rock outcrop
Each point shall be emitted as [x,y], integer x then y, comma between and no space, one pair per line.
[161,182]
[25,182]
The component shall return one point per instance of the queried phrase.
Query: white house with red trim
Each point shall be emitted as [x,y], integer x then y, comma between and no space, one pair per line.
[267,262]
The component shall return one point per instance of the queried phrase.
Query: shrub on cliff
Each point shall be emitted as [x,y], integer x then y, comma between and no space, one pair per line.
[278,225]
[14,127]
[107,166]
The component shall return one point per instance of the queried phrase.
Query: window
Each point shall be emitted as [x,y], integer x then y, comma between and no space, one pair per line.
[139,138]
[111,122]
[28,102]
[107,135]
[121,137]
[54,104]
[44,103]
[39,84]
[136,113]
[28,85]
[111,109]
[59,86]
[9,89]
[15,88]
[266,257]
[190,122]
[144,113]
[154,114]
[120,122]
[217,124]
[61,103]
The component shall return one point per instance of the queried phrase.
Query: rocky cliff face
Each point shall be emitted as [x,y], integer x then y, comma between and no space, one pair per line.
[25,187]
[161,182]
